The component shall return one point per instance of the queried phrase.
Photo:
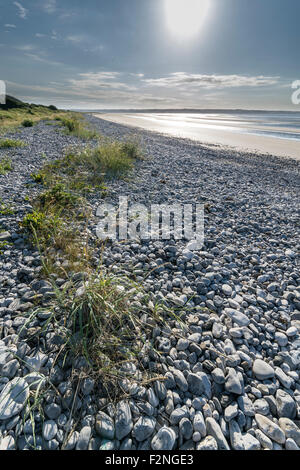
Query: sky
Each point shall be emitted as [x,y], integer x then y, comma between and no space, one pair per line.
[120,54]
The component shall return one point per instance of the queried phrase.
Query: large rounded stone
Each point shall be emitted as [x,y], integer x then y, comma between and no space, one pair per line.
[262,370]
[105,426]
[144,428]
[271,429]
[285,404]
[164,439]
[13,398]
[123,421]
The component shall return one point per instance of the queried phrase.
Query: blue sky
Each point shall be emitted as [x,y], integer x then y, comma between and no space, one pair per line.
[145,54]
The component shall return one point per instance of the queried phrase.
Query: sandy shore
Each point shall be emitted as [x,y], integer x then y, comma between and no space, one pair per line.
[243,142]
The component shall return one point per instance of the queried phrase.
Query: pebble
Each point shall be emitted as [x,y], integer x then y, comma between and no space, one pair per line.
[49,430]
[104,426]
[123,420]
[164,439]
[214,430]
[209,443]
[262,370]
[199,424]
[13,398]
[7,443]
[84,438]
[250,442]
[237,317]
[236,438]
[144,428]
[290,429]
[233,383]
[286,406]
[271,429]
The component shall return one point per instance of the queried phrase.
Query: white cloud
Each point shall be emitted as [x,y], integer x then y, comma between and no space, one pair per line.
[183,80]
[10,25]
[110,89]
[76,38]
[40,35]
[26,47]
[49,6]
[22,12]
[54,35]
[99,80]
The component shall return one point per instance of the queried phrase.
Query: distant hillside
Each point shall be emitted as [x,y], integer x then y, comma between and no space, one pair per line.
[12,103]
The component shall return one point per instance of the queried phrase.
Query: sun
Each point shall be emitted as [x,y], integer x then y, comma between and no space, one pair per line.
[185,17]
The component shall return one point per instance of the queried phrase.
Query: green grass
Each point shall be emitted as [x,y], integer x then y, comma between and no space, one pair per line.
[3,245]
[92,166]
[5,209]
[75,125]
[61,211]
[11,143]
[5,166]
[38,177]
[12,118]
[100,323]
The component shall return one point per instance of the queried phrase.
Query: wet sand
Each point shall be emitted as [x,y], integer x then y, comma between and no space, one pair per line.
[210,136]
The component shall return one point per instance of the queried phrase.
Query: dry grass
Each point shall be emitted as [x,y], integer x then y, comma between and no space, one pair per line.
[13,118]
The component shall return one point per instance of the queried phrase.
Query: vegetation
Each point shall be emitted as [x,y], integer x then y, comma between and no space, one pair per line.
[98,318]
[27,123]
[15,113]
[11,143]
[5,166]
[61,211]
[74,125]
[5,209]
[3,245]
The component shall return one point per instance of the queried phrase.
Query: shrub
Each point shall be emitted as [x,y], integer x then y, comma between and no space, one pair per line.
[59,196]
[27,123]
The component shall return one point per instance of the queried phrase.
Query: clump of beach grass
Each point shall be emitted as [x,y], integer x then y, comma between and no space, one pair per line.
[6,209]
[103,327]
[75,125]
[5,166]
[11,143]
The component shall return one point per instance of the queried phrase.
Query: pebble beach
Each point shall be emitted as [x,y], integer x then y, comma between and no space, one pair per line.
[231,368]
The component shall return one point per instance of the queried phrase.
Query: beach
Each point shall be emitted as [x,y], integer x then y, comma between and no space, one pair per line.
[216,131]
[216,330]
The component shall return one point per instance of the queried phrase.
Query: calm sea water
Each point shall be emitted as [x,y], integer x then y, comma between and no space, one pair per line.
[281,125]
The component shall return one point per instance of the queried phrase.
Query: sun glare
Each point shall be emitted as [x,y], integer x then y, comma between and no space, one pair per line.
[185,17]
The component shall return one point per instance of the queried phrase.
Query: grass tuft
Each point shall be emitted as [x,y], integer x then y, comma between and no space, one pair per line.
[5,166]
[5,209]
[11,143]
[74,125]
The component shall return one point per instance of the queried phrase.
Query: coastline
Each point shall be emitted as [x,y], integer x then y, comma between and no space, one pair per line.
[237,298]
[210,137]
